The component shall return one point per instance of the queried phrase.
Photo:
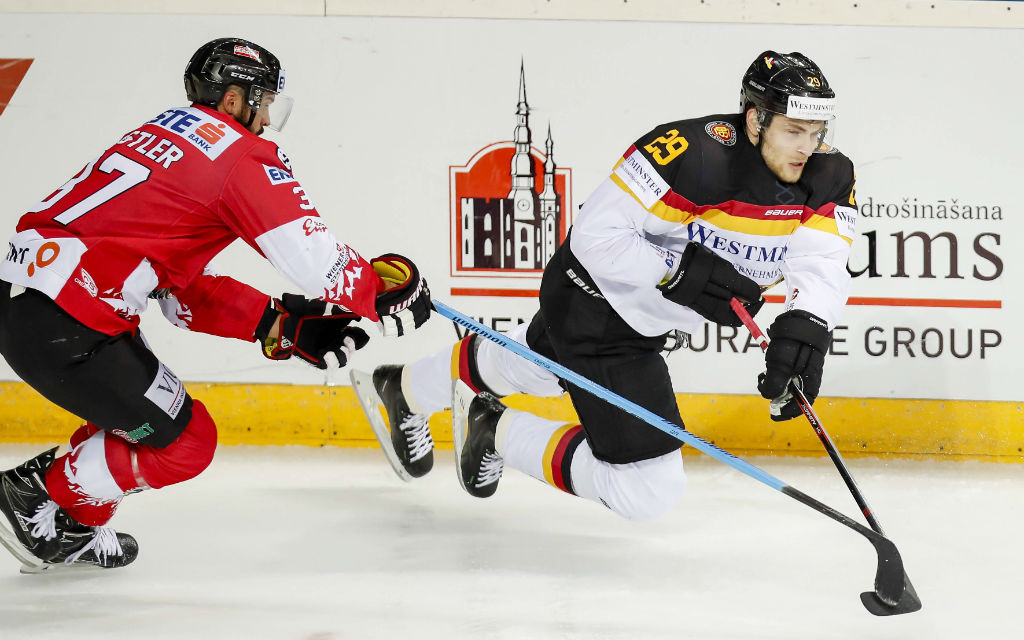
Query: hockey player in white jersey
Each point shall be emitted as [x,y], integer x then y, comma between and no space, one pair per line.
[694,213]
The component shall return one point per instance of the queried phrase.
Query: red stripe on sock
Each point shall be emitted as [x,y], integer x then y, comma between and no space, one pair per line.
[559,455]
[82,434]
[119,461]
[464,351]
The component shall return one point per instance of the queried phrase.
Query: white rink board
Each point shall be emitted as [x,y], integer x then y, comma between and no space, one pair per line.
[385,106]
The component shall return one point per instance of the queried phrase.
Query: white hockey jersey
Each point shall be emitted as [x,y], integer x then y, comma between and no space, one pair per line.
[703,181]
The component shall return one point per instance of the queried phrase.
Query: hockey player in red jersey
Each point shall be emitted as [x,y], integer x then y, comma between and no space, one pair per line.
[694,213]
[142,221]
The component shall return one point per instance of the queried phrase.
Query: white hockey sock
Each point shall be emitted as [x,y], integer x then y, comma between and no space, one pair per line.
[541,448]
[86,470]
[558,454]
[427,383]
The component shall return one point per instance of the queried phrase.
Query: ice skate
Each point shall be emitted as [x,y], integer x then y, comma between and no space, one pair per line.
[28,528]
[405,439]
[474,424]
[82,546]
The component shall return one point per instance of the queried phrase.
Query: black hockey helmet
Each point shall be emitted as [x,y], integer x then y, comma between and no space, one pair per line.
[790,84]
[233,61]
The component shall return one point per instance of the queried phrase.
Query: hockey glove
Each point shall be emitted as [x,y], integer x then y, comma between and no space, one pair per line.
[795,354]
[404,304]
[706,282]
[308,330]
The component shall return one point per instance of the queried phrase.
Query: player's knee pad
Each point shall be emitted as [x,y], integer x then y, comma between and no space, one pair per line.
[644,490]
[185,458]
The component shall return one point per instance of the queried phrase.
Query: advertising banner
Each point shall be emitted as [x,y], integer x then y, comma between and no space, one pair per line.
[469,145]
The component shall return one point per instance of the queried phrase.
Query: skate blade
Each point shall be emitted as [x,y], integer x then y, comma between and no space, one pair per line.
[369,400]
[61,568]
[462,395]
[29,562]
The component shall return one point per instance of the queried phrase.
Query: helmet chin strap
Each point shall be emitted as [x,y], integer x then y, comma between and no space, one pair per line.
[252,118]
[759,130]
[759,135]
[763,120]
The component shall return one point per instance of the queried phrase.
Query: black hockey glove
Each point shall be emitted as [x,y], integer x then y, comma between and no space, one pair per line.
[308,330]
[404,304]
[706,282]
[796,353]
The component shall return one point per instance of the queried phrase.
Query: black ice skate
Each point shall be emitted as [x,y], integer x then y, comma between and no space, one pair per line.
[84,546]
[405,439]
[28,528]
[474,423]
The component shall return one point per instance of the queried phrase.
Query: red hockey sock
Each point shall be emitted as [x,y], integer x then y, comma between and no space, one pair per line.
[91,478]
[183,459]
[79,480]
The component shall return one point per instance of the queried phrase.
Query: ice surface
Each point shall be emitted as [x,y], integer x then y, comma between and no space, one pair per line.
[327,543]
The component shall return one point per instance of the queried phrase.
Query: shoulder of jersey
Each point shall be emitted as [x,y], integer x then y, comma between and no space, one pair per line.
[675,149]
[267,152]
[833,166]
[201,130]
[714,127]
[717,130]
[282,158]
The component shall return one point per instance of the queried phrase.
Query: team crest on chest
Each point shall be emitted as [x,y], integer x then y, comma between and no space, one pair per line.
[722,132]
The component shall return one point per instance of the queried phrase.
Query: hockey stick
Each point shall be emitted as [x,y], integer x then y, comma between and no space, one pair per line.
[892,593]
[826,441]
[812,417]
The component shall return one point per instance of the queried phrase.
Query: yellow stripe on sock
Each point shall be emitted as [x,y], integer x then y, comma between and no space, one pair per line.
[549,452]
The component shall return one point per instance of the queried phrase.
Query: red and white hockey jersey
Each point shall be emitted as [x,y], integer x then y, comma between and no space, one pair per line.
[152,211]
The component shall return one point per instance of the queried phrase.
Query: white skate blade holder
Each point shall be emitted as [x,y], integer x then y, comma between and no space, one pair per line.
[462,395]
[60,568]
[373,406]
[29,562]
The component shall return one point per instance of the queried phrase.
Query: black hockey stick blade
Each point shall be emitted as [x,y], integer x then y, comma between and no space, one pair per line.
[894,594]
[908,602]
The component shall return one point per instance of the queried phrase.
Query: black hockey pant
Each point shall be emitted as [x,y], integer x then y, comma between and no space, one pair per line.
[581,331]
[114,382]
